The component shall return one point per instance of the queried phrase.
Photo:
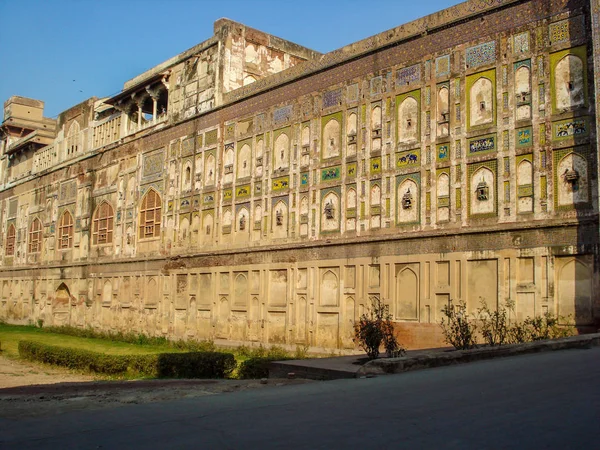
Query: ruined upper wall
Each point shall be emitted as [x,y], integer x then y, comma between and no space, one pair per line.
[406,32]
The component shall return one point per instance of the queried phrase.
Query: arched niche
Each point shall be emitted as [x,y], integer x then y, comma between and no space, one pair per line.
[375,194]
[331,139]
[281,152]
[329,288]
[243,220]
[244,163]
[443,185]
[408,120]
[407,294]
[483,193]
[408,201]
[481,102]
[330,212]
[443,100]
[351,198]
[376,118]
[569,83]
[574,290]
[209,169]
[351,124]
[572,180]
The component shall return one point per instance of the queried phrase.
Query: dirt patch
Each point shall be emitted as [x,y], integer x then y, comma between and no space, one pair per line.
[28,390]
[21,373]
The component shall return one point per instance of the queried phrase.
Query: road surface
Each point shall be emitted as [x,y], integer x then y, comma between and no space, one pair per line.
[541,401]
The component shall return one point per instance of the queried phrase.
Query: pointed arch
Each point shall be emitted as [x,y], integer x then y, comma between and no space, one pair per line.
[569,82]
[524,173]
[103,224]
[10,240]
[35,236]
[73,138]
[408,120]
[443,185]
[481,102]
[65,231]
[150,215]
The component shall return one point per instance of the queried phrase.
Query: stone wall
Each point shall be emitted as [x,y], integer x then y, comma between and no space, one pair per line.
[452,164]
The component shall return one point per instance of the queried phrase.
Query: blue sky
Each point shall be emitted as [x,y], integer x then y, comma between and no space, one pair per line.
[65,51]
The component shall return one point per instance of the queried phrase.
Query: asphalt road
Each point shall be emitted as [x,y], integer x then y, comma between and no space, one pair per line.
[542,401]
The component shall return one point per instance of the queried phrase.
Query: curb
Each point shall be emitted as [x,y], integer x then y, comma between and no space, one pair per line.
[425,361]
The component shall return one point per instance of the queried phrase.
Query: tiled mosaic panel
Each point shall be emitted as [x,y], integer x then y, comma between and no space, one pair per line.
[332,98]
[521,42]
[282,114]
[442,66]
[376,86]
[565,30]
[153,164]
[352,92]
[408,75]
[481,54]
[211,137]
[68,190]
[482,145]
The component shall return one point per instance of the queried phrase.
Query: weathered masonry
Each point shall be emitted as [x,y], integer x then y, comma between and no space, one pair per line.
[251,189]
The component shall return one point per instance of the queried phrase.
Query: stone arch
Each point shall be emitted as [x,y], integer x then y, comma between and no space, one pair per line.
[244,163]
[330,212]
[209,169]
[522,80]
[352,124]
[249,79]
[375,194]
[227,217]
[329,288]
[524,173]
[73,138]
[306,136]
[62,297]
[575,290]
[408,120]
[376,118]
[443,101]
[208,225]
[240,289]
[443,185]
[186,179]
[331,138]
[281,153]
[304,205]
[152,292]
[569,192]
[569,83]
[280,219]
[408,211]
[351,198]
[243,220]
[481,103]
[407,294]
[184,231]
[480,205]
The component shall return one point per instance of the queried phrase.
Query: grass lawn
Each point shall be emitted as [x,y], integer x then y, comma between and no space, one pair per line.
[10,335]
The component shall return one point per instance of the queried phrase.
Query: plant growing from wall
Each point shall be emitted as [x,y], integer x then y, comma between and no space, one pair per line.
[458,330]
[374,328]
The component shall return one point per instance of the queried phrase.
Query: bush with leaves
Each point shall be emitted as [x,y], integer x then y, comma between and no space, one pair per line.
[375,327]
[458,330]
[494,325]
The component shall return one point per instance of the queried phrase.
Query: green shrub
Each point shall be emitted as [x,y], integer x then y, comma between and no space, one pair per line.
[494,324]
[458,330]
[374,328]
[256,367]
[171,365]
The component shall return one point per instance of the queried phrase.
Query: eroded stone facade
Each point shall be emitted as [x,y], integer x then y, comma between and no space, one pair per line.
[250,189]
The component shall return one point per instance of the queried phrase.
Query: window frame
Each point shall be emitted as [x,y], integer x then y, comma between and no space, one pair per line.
[11,240]
[67,235]
[149,228]
[103,224]
[35,236]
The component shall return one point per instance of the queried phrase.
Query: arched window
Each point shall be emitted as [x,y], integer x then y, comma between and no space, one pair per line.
[150,215]
[10,240]
[73,138]
[35,236]
[65,231]
[102,231]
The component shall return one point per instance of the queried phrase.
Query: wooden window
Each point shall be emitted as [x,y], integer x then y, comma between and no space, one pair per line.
[35,236]
[65,231]
[102,229]
[150,215]
[10,240]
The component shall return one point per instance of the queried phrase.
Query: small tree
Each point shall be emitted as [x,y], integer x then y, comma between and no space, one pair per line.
[457,329]
[374,328]
[494,324]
